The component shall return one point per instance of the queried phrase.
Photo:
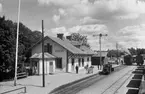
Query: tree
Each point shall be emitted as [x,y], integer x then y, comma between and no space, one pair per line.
[115,53]
[132,51]
[137,51]
[80,38]
[27,38]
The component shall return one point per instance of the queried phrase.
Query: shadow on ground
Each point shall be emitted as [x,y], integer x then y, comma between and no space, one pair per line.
[29,85]
[132,91]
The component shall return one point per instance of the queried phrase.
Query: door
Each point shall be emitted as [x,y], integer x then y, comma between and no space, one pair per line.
[59,63]
[51,67]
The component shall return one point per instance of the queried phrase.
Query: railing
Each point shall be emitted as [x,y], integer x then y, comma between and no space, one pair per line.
[15,90]
[21,75]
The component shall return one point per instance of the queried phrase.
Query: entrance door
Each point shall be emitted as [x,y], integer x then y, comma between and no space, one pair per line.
[59,63]
[51,68]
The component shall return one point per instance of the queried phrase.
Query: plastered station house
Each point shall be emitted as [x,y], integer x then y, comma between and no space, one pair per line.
[67,53]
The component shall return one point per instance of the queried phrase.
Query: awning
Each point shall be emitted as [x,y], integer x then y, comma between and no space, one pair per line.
[39,56]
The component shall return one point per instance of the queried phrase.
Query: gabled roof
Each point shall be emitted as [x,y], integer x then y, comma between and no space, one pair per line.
[67,45]
[39,56]
[87,50]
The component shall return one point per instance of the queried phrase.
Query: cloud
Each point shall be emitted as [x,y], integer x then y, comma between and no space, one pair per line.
[59,30]
[90,17]
[62,12]
[82,29]
[103,9]
[129,36]
[86,30]
[63,3]
[0,7]
[132,35]
[56,18]
[89,20]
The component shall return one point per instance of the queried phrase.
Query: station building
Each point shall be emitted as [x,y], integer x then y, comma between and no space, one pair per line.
[67,53]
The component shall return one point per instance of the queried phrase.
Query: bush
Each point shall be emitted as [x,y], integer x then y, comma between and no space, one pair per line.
[7,75]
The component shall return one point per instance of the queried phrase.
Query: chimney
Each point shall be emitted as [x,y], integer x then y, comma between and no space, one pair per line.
[60,36]
[68,37]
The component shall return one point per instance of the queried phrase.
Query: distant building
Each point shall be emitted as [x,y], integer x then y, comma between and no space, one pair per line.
[68,53]
[96,57]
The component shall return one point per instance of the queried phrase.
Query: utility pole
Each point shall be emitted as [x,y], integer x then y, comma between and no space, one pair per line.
[100,36]
[43,71]
[17,43]
[117,52]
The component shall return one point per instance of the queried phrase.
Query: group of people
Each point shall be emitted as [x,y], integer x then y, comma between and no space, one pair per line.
[100,64]
[77,68]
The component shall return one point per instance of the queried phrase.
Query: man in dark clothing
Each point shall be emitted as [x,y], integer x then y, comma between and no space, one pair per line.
[77,68]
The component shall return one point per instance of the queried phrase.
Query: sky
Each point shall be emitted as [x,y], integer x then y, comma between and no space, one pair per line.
[122,20]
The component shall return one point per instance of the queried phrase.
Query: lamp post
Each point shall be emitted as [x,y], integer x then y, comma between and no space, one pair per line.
[117,53]
[100,36]
[17,43]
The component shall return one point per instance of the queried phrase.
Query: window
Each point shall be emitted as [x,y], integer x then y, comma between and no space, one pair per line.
[48,48]
[51,63]
[45,48]
[72,61]
[79,61]
[82,61]
[88,59]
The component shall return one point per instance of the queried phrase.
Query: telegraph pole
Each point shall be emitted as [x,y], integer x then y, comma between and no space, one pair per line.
[17,43]
[117,52]
[43,71]
[100,36]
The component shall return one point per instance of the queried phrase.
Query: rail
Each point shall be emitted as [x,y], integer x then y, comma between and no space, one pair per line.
[14,90]
[21,75]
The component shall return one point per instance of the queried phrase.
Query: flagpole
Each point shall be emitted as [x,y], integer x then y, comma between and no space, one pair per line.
[43,70]
[16,58]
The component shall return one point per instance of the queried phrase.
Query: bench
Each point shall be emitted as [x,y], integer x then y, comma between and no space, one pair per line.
[22,75]
[90,69]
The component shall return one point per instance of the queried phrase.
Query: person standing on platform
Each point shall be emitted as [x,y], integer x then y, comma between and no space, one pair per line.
[77,69]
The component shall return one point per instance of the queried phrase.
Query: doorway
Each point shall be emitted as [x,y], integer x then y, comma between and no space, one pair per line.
[59,63]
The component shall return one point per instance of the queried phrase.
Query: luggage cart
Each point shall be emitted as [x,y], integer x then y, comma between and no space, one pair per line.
[90,70]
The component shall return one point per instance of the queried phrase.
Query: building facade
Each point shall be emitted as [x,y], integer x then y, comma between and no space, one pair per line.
[67,55]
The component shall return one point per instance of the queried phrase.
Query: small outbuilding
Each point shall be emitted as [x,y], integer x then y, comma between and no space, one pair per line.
[49,63]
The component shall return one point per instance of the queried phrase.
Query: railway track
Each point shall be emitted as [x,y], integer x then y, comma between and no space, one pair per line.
[114,87]
[81,84]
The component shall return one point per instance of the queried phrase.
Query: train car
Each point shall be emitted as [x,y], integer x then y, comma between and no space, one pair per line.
[107,69]
[128,60]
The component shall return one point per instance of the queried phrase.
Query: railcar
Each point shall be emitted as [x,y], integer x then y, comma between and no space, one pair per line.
[107,69]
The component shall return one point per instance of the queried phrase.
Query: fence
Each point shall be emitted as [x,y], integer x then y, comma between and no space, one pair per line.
[15,90]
